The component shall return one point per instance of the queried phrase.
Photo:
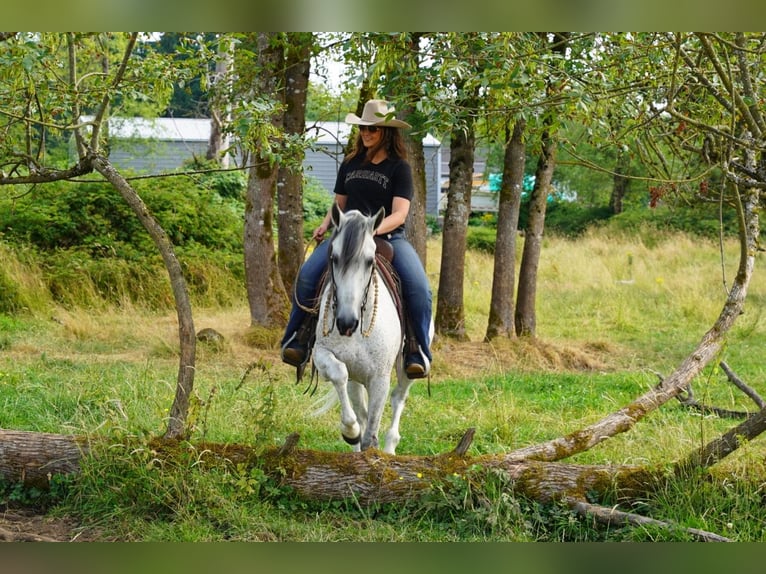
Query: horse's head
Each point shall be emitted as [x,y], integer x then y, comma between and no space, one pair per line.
[352,257]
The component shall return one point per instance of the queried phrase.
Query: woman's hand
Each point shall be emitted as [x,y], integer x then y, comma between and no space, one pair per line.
[319,232]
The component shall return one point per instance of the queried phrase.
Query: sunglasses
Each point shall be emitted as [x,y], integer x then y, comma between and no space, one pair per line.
[371,129]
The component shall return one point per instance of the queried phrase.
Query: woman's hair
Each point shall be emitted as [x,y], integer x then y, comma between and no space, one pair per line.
[391,140]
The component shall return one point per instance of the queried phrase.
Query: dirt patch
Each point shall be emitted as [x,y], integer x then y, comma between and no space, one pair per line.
[467,360]
[29,525]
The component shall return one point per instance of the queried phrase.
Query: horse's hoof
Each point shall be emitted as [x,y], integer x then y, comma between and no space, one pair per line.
[352,441]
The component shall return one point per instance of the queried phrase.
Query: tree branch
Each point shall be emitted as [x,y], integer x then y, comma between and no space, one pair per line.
[104,106]
[612,516]
[723,446]
[740,384]
[687,399]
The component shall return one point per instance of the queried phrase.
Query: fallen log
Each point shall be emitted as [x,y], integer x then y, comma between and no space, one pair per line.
[32,458]
[369,477]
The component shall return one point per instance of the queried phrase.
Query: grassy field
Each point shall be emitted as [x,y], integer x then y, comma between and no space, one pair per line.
[613,313]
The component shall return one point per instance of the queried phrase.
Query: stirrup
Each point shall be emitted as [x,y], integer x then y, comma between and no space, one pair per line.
[417,369]
[299,354]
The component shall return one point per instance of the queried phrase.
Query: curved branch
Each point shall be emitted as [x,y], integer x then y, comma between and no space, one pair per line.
[740,384]
[706,351]
[186,332]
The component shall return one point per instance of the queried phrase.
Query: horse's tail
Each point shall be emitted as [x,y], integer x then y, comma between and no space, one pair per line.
[324,403]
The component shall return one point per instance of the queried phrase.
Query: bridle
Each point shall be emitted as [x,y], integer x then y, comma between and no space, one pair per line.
[332,298]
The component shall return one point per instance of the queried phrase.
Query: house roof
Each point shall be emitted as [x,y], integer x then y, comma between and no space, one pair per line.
[198,129]
[168,129]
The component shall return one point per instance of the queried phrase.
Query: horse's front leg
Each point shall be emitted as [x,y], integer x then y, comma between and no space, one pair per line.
[398,399]
[377,392]
[358,396]
[336,372]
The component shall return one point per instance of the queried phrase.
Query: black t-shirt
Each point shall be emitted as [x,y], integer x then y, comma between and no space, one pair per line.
[368,186]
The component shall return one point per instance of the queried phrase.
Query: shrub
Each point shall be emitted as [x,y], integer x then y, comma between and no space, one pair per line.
[227,184]
[95,216]
[481,239]
[316,202]
[701,220]
[95,248]
[571,219]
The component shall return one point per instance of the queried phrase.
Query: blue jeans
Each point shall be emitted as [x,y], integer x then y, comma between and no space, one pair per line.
[416,291]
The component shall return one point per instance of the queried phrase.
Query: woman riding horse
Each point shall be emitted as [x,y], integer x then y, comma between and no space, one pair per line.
[374,174]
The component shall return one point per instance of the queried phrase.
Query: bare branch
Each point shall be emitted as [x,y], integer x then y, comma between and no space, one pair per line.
[740,384]
[738,100]
[72,54]
[687,399]
[612,516]
[465,442]
[718,449]
[290,443]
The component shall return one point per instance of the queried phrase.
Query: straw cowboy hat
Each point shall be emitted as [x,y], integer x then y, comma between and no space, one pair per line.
[377,113]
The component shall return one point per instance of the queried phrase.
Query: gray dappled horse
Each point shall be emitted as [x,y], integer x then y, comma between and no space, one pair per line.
[359,334]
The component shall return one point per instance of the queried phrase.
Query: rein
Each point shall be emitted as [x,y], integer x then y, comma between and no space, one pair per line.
[313,310]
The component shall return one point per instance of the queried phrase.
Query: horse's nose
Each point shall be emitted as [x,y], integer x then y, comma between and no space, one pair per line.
[347,325]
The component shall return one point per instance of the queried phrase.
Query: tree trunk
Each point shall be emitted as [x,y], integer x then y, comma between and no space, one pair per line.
[621,181]
[417,231]
[416,219]
[290,178]
[220,104]
[500,323]
[186,333]
[525,316]
[265,291]
[32,458]
[450,311]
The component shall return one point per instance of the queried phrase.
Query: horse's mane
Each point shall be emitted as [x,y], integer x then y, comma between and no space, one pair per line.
[351,235]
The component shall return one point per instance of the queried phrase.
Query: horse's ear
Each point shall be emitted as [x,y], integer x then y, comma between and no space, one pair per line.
[335,215]
[379,217]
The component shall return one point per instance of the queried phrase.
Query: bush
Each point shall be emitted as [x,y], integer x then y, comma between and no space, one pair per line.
[702,220]
[481,239]
[94,216]
[229,184]
[316,202]
[94,249]
[570,219]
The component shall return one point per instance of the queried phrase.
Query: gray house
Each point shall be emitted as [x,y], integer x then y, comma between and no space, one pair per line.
[156,145]
[164,144]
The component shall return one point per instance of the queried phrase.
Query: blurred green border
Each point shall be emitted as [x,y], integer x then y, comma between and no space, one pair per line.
[316,558]
[339,15]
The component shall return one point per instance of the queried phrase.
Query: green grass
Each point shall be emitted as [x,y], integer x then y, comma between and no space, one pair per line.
[631,310]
